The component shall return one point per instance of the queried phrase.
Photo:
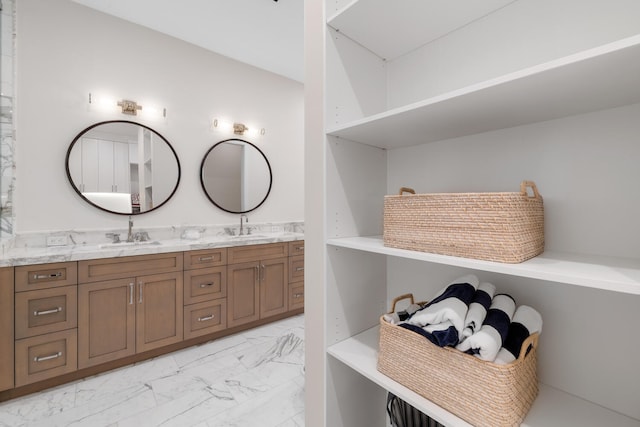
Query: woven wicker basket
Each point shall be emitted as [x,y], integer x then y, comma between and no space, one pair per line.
[482,393]
[504,227]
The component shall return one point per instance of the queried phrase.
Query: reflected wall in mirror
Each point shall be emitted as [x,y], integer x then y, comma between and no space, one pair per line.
[123,167]
[236,176]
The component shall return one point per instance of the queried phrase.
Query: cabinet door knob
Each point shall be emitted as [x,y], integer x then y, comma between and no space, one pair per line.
[140,285]
[131,285]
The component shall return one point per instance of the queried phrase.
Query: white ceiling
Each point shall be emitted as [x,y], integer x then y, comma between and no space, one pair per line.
[264,33]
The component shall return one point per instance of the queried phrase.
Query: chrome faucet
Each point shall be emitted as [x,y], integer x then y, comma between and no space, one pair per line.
[243,219]
[130,234]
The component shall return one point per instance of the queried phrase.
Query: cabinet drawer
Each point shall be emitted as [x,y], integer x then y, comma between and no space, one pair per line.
[205,284]
[296,268]
[42,276]
[296,295]
[205,258]
[205,318]
[44,311]
[96,270]
[296,247]
[7,340]
[46,356]
[257,252]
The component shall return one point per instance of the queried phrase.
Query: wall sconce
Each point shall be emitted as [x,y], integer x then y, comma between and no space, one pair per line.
[129,107]
[237,128]
[125,106]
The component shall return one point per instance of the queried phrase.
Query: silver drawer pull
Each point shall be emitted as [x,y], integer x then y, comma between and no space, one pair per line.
[47,276]
[298,295]
[204,285]
[299,248]
[45,358]
[205,258]
[299,268]
[43,312]
[205,318]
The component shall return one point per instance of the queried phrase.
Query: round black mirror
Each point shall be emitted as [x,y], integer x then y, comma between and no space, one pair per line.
[236,176]
[123,167]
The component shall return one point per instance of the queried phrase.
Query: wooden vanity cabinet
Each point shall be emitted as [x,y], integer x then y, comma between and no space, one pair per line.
[296,275]
[131,314]
[257,287]
[45,317]
[205,292]
[61,317]
[6,328]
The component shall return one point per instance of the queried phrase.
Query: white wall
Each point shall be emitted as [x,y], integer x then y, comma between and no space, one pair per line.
[65,51]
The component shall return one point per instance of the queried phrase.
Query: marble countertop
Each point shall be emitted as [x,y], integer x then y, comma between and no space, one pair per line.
[16,256]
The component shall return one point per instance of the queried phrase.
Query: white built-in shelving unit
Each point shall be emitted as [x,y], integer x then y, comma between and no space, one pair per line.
[373,141]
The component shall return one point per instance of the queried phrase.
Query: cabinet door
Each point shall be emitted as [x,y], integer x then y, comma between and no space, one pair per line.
[159,312]
[243,296]
[105,166]
[106,321]
[6,328]
[46,356]
[89,165]
[296,295]
[204,284]
[45,311]
[274,287]
[121,172]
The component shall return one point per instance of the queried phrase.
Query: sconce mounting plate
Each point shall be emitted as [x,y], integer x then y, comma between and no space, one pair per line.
[129,107]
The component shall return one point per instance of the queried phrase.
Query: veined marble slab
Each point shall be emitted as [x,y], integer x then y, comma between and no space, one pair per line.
[31,248]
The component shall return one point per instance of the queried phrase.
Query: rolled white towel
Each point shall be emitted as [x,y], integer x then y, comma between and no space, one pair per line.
[478,308]
[526,321]
[486,342]
[450,304]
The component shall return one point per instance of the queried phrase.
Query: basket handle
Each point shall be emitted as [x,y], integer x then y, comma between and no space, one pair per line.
[400,298]
[531,340]
[406,190]
[529,184]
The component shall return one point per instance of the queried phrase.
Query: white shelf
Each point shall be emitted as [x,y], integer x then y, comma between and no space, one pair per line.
[552,407]
[412,23]
[603,77]
[607,273]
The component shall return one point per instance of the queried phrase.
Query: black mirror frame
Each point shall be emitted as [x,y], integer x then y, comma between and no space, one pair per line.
[81,133]
[202,164]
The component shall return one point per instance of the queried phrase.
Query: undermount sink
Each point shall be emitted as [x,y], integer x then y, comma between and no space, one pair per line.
[128,244]
[249,236]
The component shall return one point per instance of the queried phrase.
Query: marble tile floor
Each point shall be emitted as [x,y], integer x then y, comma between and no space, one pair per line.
[254,378]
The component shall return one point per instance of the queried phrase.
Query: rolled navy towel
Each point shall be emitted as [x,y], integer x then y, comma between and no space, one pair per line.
[487,342]
[478,308]
[526,321]
[441,334]
[450,304]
